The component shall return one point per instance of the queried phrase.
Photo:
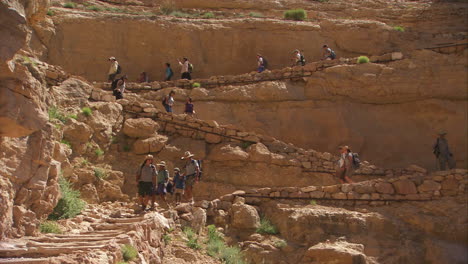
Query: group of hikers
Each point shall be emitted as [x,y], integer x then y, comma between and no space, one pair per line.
[155,180]
[168,102]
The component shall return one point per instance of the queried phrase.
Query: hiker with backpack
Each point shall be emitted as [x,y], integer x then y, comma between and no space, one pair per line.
[192,174]
[168,101]
[114,69]
[346,164]
[189,107]
[442,152]
[169,72]
[262,63]
[186,69]
[179,184]
[298,58]
[146,179]
[118,87]
[162,181]
[328,53]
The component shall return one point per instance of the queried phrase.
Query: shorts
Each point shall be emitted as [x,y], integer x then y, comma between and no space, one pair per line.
[168,108]
[190,180]
[145,188]
[179,191]
[161,189]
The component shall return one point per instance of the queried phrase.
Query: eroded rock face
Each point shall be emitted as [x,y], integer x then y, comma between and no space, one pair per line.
[244,216]
[140,128]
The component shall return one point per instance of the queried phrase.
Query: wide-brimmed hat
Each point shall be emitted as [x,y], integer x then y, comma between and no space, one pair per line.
[162,163]
[112,58]
[296,50]
[187,155]
[176,169]
[345,147]
[442,133]
[149,157]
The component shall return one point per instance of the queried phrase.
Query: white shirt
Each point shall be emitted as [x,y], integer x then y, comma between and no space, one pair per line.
[113,67]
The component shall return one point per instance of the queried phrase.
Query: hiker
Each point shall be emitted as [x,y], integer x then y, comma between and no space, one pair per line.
[261,63]
[189,107]
[345,168]
[298,58]
[192,172]
[163,178]
[168,101]
[328,53]
[169,72]
[185,69]
[442,152]
[146,179]
[118,87]
[114,68]
[143,78]
[179,184]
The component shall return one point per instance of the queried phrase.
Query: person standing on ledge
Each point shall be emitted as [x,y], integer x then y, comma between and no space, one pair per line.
[261,63]
[328,53]
[185,69]
[169,72]
[146,179]
[442,152]
[345,169]
[192,172]
[114,68]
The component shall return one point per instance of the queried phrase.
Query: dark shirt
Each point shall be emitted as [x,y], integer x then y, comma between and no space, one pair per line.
[179,181]
[443,146]
[189,108]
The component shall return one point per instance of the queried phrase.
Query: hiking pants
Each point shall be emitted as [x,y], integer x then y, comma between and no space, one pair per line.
[443,160]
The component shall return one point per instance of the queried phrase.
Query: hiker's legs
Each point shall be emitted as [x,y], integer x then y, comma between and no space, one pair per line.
[348,180]
[442,161]
[189,76]
[188,193]
[112,77]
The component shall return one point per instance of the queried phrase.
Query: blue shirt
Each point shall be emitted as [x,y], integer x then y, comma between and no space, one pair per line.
[169,72]
[179,181]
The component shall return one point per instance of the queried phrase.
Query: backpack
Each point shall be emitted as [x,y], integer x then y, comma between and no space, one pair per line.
[436,150]
[119,69]
[164,100]
[332,54]
[356,161]
[302,60]
[200,169]
[190,67]
[114,86]
[265,62]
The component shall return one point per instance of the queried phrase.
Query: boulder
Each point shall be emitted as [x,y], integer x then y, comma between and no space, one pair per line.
[384,187]
[429,186]
[244,217]
[76,131]
[226,152]
[405,187]
[149,145]
[140,127]
[199,219]
[259,152]
[338,252]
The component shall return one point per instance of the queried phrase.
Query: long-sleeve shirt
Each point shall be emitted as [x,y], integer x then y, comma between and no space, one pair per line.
[113,67]
[184,67]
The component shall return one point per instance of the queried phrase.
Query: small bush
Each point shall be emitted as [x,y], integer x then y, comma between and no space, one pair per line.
[126,148]
[70,204]
[167,7]
[231,255]
[99,152]
[245,144]
[66,142]
[280,243]
[266,227]
[255,14]
[73,116]
[55,114]
[399,28]
[94,8]
[208,15]
[167,239]
[362,59]
[217,248]
[69,5]
[100,173]
[196,85]
[180,14]
[84,162]
[313,202]
[87,111]
[295,14]
[192,238]
[50,227]
[50,12]
[129,253]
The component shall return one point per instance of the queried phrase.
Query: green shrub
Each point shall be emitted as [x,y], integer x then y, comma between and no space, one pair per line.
[167,7]
[84,162]
[69,5]
[94,8]
[129,253]
[55,114]
[180,14]
[266,227]
[208,15]
[245,144]
[217,248]
[399,28]
[231,255]
[99,152]
[66,142]
[100,173]
[50,227]
[126,148]
[87,111]
[280,243]
[295,14]
[50,12]
[196,85]
[73,116]
[362,59]
[69,204]
[255,14]
[192,238]
[167,239]
[313,202]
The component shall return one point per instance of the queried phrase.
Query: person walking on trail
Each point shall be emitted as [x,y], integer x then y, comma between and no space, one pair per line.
[162,180]
[185,69]
[118,87]
[442,152]
[261,63]
[328,53]
[189,107]
[179,183]
[192,172]
[345,168]
[146,179]
[168,101]
[169,72]
[114,69]
[298,58]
